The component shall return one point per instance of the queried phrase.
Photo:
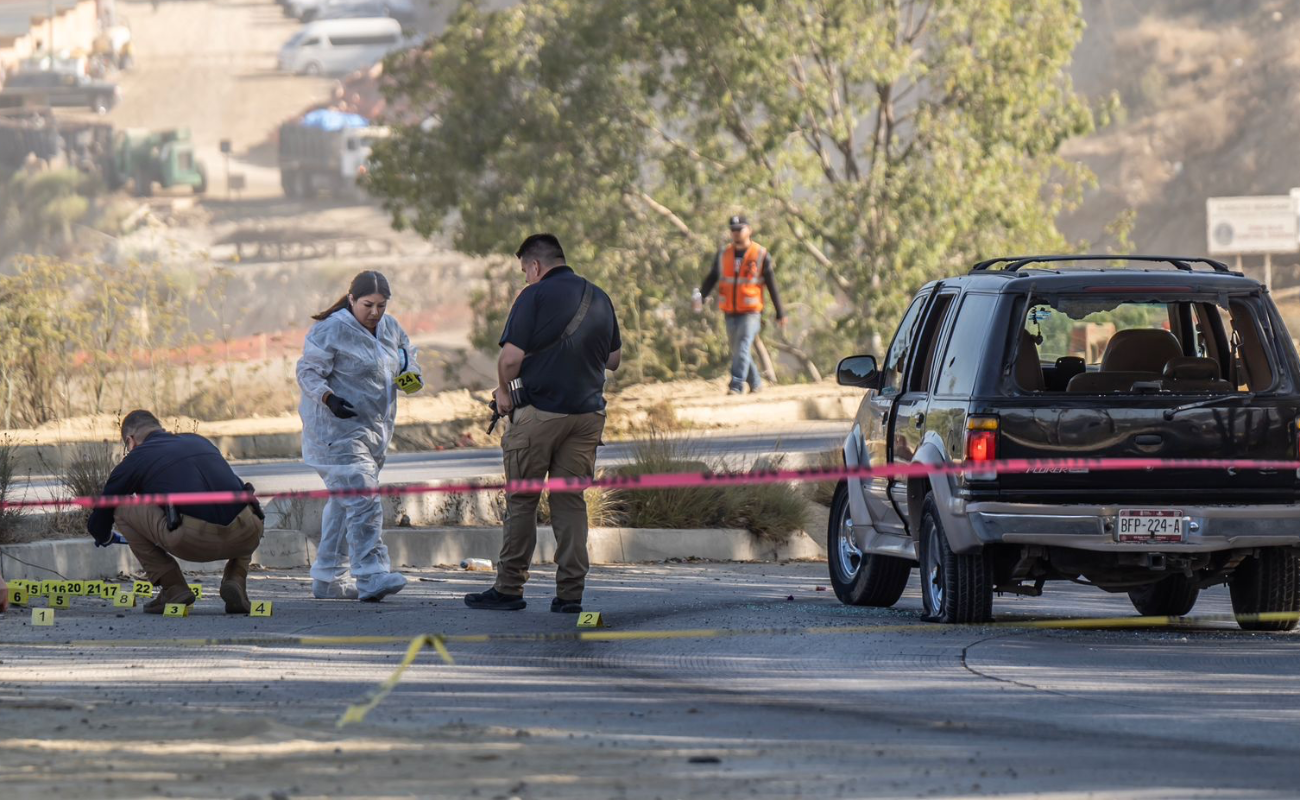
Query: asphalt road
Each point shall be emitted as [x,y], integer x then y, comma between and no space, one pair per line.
[902,711]
[736,450]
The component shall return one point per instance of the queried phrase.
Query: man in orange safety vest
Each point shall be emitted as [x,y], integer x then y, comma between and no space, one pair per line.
[740,271]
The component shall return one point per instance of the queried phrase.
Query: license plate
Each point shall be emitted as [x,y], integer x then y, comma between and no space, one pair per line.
[1150,525]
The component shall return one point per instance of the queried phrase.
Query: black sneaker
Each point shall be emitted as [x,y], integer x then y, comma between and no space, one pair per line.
[559,606]
[493,600]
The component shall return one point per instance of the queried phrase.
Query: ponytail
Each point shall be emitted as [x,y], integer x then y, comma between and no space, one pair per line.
[365,283]
[343,302]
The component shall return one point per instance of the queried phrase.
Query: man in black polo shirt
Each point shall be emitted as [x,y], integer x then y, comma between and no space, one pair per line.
[158,462]
[560,338]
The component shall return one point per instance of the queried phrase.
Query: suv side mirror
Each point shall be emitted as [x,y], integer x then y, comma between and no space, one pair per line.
[860,371]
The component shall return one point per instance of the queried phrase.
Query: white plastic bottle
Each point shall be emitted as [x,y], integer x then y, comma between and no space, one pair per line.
[476,565]
[697,301]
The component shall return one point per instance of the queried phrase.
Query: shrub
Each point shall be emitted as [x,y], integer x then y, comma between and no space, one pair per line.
[83,474]
[771,510]
[822,492]
[10,518]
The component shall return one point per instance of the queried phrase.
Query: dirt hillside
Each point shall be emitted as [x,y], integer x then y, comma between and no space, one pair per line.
[1210,109]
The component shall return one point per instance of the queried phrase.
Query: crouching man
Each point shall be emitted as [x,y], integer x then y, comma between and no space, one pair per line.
[159,462]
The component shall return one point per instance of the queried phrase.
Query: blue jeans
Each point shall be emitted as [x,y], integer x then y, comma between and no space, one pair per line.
[742,330]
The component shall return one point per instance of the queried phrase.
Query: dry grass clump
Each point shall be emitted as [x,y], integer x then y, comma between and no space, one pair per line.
[822,492]
[83,474]
[771,510]
[10,518]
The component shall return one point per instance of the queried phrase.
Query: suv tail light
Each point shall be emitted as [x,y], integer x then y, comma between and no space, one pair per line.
[981,439]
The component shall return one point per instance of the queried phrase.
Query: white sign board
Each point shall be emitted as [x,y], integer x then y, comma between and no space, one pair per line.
[1243,225]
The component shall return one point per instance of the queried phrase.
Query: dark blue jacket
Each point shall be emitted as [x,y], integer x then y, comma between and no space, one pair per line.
[167,462]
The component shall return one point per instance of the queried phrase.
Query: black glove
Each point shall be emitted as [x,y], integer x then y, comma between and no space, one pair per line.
[341,408]
[255,504]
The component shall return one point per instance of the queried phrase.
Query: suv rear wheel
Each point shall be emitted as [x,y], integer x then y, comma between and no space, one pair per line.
[954,588]
[1264,584]
[1173,596]
[860,579]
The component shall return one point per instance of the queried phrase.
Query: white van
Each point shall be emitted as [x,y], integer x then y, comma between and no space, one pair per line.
[337,46]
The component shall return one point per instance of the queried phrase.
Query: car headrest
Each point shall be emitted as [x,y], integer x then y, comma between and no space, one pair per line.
[1189,368]
[1140,350]
[1070,365]
[1029,370]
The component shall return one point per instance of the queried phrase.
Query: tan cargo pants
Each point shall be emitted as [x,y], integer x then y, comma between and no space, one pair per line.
[538,444]
[145,529]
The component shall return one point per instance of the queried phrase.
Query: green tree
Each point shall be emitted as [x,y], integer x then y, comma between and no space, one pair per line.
[877,143]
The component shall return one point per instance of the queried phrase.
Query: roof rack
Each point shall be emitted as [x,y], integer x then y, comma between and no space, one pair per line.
[1015,263]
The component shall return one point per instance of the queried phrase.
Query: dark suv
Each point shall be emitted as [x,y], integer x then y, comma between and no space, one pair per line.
[1052,357]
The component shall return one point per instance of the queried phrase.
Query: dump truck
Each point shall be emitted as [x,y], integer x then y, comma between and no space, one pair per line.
[37,133]
[37,88]
[166,158]
[314,158]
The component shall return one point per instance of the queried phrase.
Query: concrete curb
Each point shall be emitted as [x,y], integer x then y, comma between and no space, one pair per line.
[417,548]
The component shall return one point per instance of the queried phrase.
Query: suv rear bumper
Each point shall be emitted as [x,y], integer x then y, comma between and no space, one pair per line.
[1092,527]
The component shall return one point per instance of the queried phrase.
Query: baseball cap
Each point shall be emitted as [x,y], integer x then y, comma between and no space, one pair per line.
[737,222]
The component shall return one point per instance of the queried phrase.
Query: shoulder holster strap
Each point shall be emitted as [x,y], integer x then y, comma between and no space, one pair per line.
[576,322]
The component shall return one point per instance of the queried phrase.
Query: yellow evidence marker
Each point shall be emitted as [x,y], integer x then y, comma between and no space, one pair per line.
[94,588]
[48,588]
[109,591]
[42,616]
[77,588]
[60,600]
[18,595]
[197,588]
[590,619]
[142,588]
[124,599]
[262,608]
[176,610]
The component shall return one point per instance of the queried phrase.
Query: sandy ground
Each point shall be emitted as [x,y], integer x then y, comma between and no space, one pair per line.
[211,66]
[901,711]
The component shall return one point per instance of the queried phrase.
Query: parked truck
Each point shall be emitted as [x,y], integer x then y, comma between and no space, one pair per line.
[166,158]
[39,88]
[38,134]
[325,157]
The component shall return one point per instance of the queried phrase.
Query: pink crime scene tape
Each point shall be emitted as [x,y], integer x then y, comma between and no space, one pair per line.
[682,480]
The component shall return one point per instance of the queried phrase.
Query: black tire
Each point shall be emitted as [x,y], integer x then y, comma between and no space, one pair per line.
[1265,584]
[143,184]
[954,588]
[860,579]
[289,183]
[202,188]
[313,69]
[1173,596]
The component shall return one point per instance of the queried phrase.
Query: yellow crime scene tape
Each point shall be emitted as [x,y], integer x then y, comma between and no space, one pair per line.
[358,711]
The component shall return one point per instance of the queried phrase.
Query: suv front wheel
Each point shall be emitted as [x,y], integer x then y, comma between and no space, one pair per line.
[860,579]
[954,588]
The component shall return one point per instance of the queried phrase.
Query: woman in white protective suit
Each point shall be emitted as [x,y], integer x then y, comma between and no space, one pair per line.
[353,362]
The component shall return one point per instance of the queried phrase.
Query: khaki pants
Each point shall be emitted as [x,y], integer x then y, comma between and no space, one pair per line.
[538,444]
[145,529]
